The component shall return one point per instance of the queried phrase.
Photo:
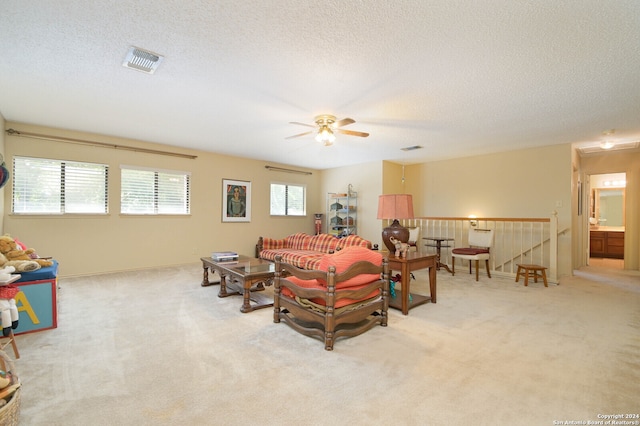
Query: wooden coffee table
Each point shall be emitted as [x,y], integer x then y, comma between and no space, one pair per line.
[247,277]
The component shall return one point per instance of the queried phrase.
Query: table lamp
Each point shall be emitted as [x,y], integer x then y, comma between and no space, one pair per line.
[394,207]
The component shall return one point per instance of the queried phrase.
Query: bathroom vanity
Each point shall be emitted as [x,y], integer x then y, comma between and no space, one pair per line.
[607,241]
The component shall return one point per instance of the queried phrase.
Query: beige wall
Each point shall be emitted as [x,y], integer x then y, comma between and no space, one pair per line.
[523,183]
[413,184]
[392,182]
[96,244]
[629,163]
[528,183]
[366,180]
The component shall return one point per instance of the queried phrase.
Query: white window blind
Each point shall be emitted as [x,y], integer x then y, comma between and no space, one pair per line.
[45,186]
[288,200]
[146,191]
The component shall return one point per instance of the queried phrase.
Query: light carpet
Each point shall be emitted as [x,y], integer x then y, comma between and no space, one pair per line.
[156,348]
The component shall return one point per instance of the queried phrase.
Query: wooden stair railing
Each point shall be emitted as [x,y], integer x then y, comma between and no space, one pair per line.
[517,240]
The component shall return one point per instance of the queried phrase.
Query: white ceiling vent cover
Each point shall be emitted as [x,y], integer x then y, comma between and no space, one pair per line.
[142,60]
[411,148]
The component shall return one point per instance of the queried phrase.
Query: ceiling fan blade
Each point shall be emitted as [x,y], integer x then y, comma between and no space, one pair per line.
[299,134]
[345,122]
[352,133]
[303,124]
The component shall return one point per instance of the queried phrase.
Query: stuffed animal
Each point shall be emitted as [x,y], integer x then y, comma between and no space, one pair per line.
[401,248]
[9,248]
[19,265]
[5,273]
[8,311]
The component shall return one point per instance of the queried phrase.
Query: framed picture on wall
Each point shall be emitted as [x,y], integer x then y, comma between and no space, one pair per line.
[580,198]
[236,201]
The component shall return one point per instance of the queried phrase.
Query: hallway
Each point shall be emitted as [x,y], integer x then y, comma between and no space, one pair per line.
[601,262]
[610,272]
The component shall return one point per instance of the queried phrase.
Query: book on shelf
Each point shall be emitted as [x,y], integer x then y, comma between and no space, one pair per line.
[224,256]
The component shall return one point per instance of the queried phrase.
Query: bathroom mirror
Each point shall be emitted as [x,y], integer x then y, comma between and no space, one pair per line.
[608,206]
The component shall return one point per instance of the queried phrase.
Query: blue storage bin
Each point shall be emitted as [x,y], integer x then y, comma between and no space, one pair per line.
[37,301]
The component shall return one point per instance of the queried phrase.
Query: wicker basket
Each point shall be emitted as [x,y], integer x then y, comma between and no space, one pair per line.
[10,412]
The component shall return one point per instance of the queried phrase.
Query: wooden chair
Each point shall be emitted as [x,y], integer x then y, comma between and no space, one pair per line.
[480,242]
[330,304]
[414,235]
[12,341]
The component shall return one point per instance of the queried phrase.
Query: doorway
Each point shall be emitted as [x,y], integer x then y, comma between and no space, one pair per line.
[607,220]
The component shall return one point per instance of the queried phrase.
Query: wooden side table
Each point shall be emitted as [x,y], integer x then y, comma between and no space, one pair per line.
[438,245]
[413,262]
[532,270]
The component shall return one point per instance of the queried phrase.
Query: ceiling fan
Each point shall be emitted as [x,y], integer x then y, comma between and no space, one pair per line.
[327,126]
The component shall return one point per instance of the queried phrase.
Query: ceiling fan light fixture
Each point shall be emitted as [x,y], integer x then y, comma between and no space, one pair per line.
[325,135]
[606,145]
[325,129]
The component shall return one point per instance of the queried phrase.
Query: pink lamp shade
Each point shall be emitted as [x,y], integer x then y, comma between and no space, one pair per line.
[394,207]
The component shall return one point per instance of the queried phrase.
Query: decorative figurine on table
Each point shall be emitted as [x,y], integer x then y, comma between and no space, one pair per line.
[401,248]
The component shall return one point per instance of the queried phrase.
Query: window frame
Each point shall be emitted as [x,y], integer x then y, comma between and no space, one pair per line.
[156,195]
[286,200]
[62,196]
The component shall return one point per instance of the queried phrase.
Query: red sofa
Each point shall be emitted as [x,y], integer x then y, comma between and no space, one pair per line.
[303,250]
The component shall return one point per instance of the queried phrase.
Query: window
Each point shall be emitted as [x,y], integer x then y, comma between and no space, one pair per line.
[147,191]
[44,186]
[288,200]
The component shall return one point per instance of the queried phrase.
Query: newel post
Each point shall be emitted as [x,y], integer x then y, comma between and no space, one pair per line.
[553,247]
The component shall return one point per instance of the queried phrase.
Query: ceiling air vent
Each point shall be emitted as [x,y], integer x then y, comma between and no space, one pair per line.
[411,148]
[142,60]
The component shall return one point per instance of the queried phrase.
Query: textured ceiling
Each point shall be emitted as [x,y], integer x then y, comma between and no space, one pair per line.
[456,77]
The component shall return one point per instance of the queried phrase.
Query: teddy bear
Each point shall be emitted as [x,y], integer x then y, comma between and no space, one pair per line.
[401,248]
[9,314]
[8,311]
[19,265]
[9,248]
